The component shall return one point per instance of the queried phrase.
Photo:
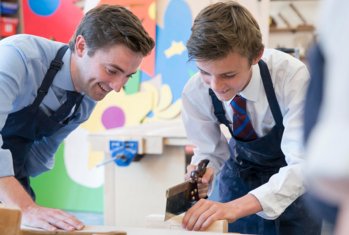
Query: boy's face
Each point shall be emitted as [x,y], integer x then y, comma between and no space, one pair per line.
[106,70]
[226,76]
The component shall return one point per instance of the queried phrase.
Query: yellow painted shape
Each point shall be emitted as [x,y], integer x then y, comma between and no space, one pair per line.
[176,48]
[154,93]
[172,111]
[152,11]
[166,98]
[94,157]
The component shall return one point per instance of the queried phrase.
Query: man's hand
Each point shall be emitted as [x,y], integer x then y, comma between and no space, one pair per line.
[13,194]
[204,182]
[50,219]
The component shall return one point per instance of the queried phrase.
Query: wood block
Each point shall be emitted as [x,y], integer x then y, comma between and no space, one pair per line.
[157,221]
[10,220]
[88,230]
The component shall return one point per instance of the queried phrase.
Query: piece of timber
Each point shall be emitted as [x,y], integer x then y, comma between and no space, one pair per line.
[88,230]
[175,223]
[10,221]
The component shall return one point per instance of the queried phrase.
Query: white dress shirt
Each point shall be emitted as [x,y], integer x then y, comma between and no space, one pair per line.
[290,78]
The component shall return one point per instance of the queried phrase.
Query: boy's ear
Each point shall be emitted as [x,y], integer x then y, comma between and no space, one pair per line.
[258,58]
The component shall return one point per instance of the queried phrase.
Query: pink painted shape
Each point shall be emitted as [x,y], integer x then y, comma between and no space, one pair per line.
[113,117]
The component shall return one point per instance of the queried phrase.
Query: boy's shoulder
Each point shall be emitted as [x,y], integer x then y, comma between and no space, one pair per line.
[277,59]
[195,84]
[275,55]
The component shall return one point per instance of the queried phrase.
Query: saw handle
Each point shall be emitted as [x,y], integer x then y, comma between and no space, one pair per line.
[200,170]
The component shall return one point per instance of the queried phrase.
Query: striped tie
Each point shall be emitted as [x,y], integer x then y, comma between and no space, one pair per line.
[242,126]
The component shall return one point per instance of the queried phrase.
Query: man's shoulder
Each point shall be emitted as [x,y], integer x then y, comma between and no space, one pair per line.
[31,46]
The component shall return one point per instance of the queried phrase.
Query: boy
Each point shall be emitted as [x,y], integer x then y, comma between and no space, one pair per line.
[258,94]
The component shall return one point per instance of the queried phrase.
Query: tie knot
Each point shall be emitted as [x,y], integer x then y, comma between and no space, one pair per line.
[238,104]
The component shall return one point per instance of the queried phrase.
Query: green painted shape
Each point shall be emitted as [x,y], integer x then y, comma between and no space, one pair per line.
[55,189]
[191,73]
[133,84]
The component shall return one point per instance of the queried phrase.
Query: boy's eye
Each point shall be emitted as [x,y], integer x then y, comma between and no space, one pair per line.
[204,73]
[229,75]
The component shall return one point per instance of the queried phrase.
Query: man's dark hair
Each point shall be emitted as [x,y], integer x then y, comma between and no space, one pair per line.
[107,25]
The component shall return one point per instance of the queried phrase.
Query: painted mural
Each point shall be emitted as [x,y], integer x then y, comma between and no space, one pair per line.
[152,94]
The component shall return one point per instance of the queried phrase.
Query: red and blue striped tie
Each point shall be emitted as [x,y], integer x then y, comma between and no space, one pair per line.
[242,126]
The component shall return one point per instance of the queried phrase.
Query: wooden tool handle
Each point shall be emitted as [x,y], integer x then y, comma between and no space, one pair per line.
[200,170]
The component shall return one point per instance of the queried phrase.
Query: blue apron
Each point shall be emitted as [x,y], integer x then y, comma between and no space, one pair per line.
[31,124]
[251,164]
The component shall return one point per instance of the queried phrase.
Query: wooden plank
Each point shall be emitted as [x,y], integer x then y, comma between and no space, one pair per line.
[175,223]
[88,230]
[10,220]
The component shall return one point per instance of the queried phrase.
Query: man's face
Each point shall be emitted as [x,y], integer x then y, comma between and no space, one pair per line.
[106,70]
[226,76]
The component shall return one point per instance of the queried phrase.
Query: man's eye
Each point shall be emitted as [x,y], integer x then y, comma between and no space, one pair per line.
[111,71]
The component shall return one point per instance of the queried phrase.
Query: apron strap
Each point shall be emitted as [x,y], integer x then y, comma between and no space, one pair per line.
[269,90]
[219,111]
[55,66]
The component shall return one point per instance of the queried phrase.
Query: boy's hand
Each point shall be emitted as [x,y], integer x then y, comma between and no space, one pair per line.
[204,182]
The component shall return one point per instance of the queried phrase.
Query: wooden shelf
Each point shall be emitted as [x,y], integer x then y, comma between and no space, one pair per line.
[294,0]
[301,28]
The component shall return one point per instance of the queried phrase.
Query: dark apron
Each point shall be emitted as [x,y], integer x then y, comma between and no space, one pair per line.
[31,124]
[251,164]
[313,104]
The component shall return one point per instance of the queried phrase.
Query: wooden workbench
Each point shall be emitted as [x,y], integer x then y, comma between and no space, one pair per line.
[121,231]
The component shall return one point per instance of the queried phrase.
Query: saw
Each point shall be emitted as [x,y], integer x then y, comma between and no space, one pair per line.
[181,197]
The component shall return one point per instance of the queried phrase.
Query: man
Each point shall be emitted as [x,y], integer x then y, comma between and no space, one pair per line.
[47,89]
[259,95]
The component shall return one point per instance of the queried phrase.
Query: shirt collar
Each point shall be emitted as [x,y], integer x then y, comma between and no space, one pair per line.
[63,78]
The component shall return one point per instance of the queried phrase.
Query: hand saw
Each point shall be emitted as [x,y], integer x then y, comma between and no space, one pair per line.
[183,196]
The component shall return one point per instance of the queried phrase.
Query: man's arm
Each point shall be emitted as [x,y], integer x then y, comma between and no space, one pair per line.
[12,74]
[13,194]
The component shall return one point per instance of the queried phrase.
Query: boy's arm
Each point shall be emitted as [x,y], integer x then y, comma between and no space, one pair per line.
[201,126]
